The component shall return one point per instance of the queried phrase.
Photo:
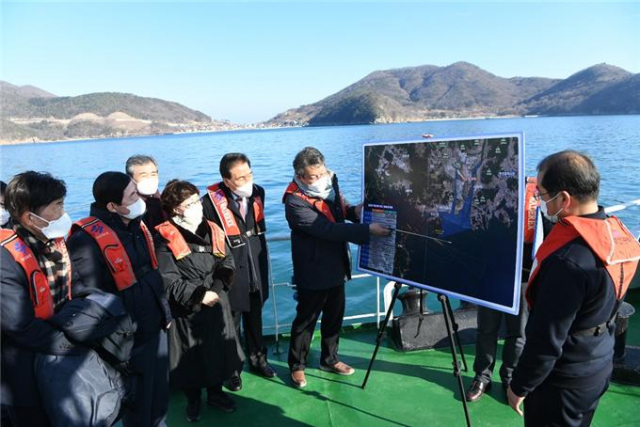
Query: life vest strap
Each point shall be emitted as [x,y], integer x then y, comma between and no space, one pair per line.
[181,249]
[37,281]
[609,240]
[114,253]
[320,205]
[609,325]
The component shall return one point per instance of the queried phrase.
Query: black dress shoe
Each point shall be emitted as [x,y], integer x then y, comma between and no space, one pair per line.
[265,370]
[234,383]
[193,410]
[476,390]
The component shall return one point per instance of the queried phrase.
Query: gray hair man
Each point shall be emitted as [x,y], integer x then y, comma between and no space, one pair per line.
[320,236]
[143,170]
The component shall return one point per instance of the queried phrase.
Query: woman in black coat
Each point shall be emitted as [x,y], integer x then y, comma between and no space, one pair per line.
[197,270]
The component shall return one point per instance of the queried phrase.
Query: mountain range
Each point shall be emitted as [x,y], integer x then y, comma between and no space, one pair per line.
[30,114]
[465,90]
[427,92]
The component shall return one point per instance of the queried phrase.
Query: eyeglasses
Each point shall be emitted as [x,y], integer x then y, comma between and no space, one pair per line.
[243,178]
[538,195]
[190,204]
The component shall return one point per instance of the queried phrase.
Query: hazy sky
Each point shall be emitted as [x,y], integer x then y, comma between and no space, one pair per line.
[248,61]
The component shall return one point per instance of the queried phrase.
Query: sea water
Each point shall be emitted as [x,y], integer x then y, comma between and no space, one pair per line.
[613,142]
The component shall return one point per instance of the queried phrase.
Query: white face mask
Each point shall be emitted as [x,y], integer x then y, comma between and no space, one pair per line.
[320,185]
[193,215]
[4,217]
[245,190]
[147,186]
[136,209]
[545,211]
[56,228]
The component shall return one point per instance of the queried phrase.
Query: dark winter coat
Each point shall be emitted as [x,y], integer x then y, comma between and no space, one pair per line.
[203,349]
[319,247]
[154,215]
[23,335]
[574,292]
[144,301]
[251,259]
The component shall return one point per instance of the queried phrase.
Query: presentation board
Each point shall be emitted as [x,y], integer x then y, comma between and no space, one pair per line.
[455,209]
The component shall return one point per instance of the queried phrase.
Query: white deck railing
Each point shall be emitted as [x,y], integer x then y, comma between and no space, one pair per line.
[277,326]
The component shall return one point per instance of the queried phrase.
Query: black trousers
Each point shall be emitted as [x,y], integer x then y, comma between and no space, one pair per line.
[329,302]
[151,385]
[549,405]
[252,324]
[487,342]
[194,394]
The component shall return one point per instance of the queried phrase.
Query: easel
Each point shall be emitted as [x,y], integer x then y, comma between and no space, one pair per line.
[452,330]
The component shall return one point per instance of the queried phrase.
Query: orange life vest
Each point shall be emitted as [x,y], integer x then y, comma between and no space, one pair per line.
[530,207]
[114,253]
[39,289]
[609,240]
[228,220]
[319,204]
[178,245]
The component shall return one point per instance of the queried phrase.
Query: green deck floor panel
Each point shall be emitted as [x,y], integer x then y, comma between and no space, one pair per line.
[404,389]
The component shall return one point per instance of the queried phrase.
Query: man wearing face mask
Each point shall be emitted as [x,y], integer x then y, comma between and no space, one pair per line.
[34,256]
[580,275]
[144,172]
[113,251]
[316,213]
[237,205]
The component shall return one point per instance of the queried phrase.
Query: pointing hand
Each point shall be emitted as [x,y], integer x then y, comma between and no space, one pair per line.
[379,229]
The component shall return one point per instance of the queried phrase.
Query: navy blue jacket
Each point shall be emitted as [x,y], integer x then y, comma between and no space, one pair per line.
[23,335]
[574,292]
[319,247]
[145,301]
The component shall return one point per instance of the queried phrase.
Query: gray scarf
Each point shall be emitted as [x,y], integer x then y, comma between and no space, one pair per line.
[328,193]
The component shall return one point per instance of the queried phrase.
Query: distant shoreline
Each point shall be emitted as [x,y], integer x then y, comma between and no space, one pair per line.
[248,127]
[257,128]
[142,135]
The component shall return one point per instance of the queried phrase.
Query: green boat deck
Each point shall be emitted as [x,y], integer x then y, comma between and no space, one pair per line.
[405,389]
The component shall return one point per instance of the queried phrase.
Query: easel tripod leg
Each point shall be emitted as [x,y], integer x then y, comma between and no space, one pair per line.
[383,326]
[454,324]
[446,307]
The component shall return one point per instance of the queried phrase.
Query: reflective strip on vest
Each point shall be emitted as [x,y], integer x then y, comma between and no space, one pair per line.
[228,219]
[530,209]
[609,240]
[114,253]
[178,245]
[39,289]
[319,204]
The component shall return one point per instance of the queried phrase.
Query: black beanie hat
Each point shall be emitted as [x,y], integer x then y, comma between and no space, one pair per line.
[109,187]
